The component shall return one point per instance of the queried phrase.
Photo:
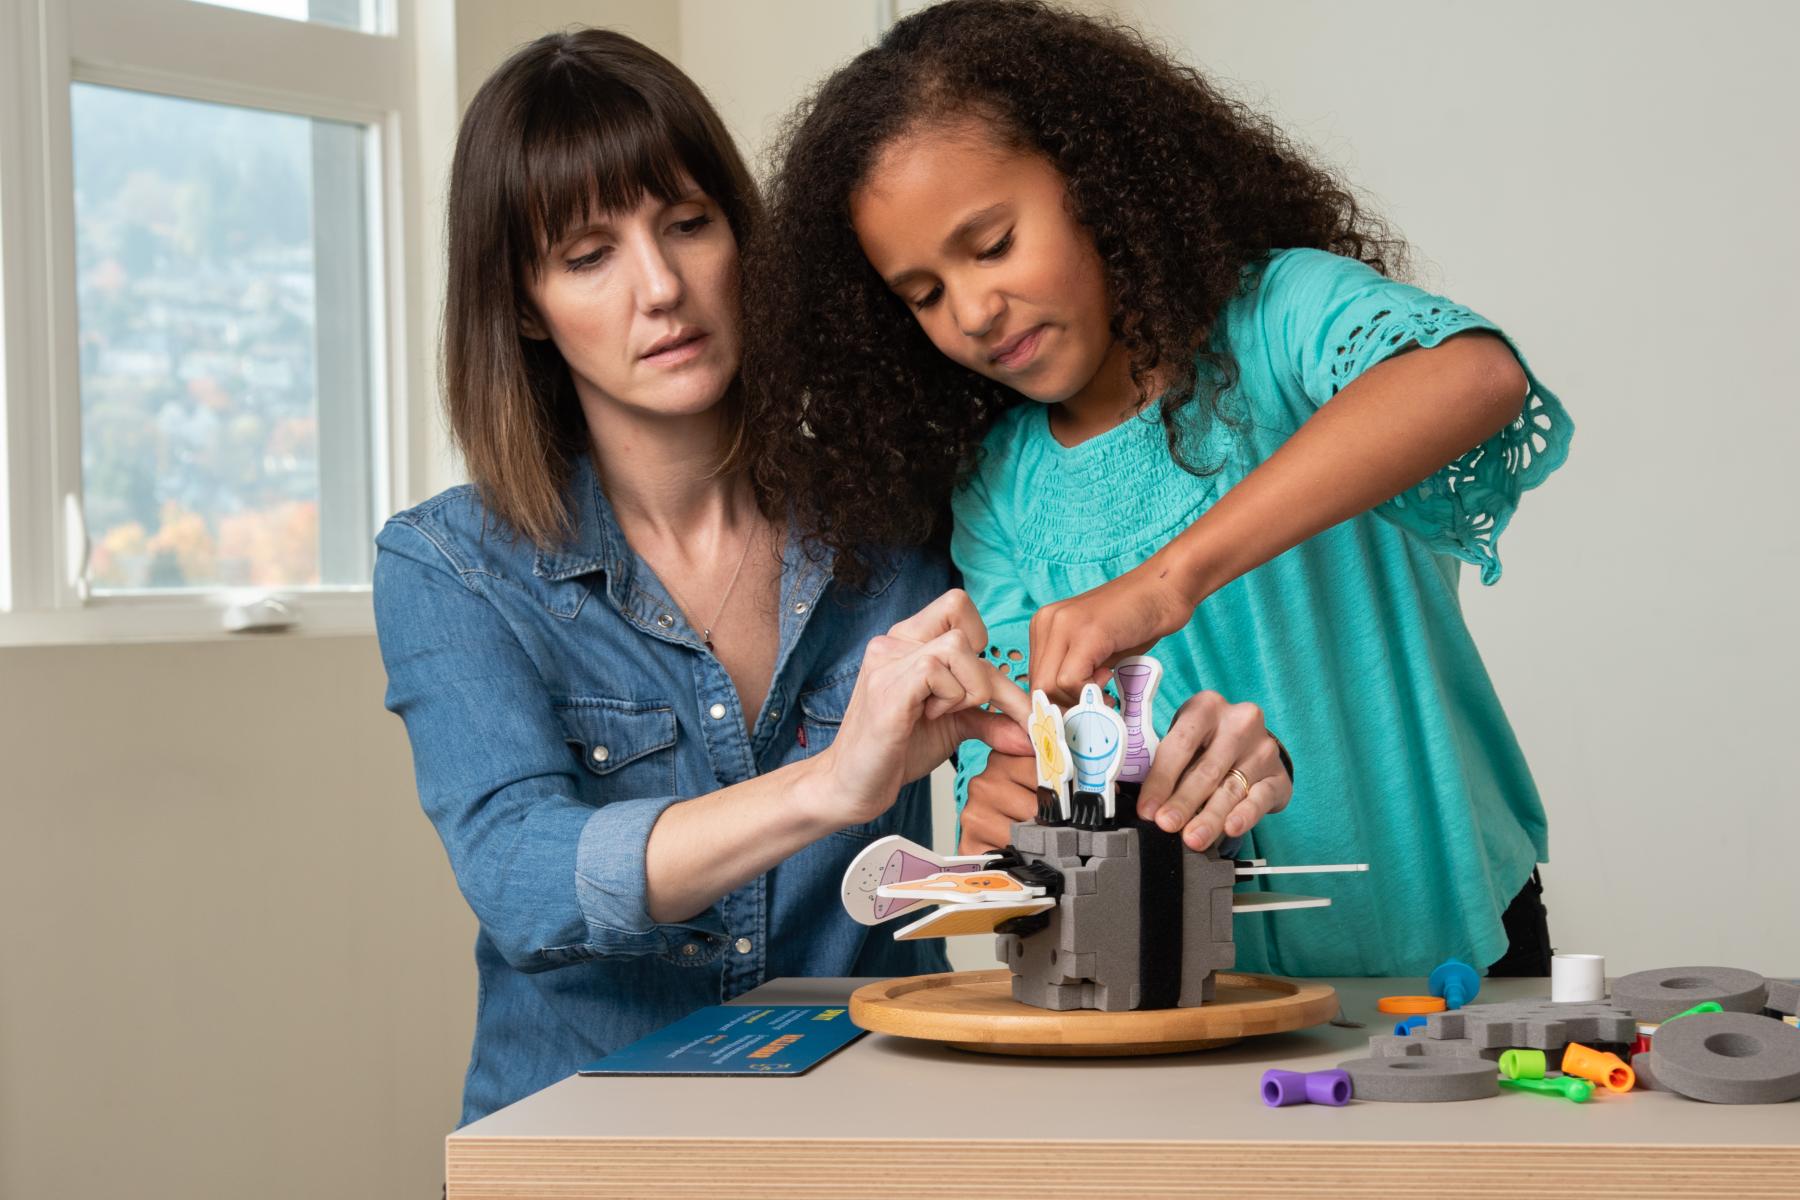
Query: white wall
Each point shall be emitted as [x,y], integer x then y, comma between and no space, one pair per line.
[1616,184]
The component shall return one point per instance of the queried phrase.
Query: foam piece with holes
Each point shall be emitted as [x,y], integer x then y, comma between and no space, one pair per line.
[1660,994]
[1422,1079]
[1726,1058]
[1088,954]
[1387,1045]
[1783,997]
[1535,1024]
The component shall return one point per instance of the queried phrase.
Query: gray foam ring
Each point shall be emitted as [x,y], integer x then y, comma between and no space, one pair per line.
[1727,1058]
[1416,1079]
[1660,994]
[1644,1067]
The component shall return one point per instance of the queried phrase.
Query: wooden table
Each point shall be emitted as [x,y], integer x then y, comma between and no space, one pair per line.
[890,1117]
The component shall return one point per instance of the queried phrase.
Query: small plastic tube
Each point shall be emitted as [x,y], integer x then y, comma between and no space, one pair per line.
[1578,978]
[1403,1028]
[1608,1070]
[1282,1088]
[1522,1064]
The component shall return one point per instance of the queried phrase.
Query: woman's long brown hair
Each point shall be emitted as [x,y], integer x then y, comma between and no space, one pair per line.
[576,122]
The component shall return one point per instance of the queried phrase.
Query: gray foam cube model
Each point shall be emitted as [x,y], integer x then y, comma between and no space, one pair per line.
[1087,957]
[1658,995]
[1783,997]
[1538,1024]
[1421,1079]
[1727,1058]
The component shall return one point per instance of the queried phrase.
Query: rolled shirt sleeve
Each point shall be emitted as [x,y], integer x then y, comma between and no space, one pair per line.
[552,878]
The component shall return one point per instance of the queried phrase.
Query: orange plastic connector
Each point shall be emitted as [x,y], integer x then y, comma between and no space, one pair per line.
[1608,1070]
[1411,1006]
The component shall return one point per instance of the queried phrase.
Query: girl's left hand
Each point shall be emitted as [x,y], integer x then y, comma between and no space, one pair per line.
[1218,771]
[1076,641]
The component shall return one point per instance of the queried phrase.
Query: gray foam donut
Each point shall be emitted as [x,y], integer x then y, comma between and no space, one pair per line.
[1728,1058]
[1644,1066]
[1416,1079]
[1660,994]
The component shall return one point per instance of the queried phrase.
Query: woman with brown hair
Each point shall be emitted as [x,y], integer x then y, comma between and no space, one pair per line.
[651,729]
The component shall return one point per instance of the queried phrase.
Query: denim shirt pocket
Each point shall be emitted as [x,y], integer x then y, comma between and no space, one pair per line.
[626,747]
[821,713]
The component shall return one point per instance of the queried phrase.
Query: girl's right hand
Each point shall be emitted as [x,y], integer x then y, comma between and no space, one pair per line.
[918,697]
[1004,793]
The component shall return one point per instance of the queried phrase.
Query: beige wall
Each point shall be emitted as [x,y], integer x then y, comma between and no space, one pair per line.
[235,961]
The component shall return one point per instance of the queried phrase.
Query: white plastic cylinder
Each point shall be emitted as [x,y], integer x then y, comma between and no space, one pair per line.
[1578,978]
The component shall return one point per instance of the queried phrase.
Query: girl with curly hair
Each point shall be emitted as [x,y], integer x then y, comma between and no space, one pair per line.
[1162,370]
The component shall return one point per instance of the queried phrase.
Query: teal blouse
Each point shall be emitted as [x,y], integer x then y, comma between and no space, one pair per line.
[1353,642]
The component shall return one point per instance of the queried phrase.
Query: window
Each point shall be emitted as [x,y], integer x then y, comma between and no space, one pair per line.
[202,209]
[345,14]
[222,283]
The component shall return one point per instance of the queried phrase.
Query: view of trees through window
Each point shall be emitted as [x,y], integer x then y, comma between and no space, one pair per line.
[208,238]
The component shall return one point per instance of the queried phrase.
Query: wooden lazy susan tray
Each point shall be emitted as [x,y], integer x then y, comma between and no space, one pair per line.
[974,1010]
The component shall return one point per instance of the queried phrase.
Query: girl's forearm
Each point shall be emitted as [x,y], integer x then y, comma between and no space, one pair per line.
[1396,425]
[701,849]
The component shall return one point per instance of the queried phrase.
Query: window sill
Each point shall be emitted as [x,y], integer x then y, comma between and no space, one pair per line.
[188,617]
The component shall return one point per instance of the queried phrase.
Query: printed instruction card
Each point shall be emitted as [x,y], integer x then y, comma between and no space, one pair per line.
[736,1039]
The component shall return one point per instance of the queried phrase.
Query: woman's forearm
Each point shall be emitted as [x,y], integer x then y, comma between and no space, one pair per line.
[1396,425]
[701,849]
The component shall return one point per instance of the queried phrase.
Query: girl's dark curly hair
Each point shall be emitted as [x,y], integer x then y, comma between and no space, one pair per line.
[854,419]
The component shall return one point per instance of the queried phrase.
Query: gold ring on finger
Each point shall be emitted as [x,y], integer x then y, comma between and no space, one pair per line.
[1243,781]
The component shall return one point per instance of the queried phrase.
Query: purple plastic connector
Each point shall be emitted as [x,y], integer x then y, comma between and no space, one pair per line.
[1282,1088]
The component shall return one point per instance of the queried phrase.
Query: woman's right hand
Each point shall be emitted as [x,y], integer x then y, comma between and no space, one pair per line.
[919,696]
[1004,793]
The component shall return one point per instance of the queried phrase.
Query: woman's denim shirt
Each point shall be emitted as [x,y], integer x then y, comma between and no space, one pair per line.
[557,703]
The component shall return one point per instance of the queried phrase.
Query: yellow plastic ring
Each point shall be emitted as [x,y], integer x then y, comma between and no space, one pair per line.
[1410,1006]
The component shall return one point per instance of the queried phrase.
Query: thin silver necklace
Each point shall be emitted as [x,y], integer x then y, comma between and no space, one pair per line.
[706,634]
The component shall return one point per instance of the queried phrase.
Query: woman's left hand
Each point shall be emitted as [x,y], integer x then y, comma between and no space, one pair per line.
[1218,771]
[1076,641]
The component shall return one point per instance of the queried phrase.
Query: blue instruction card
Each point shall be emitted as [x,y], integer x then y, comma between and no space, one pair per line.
[736,1039]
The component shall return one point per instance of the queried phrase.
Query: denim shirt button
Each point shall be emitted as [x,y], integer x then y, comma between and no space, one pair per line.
[800,607]
[716,712]
[601,754]
[690,949]
[666,620]
[742,945]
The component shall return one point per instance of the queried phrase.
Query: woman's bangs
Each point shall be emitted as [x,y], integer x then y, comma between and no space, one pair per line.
[597,153]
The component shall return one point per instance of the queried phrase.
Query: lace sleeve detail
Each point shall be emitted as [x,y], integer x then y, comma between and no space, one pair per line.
[1463,508]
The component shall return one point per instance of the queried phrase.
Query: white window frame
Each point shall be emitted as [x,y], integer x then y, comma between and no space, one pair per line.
[203,52]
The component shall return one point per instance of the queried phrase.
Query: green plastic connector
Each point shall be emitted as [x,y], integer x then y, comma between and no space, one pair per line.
[1705,1006]
[1575,1089]
[1522,1064]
